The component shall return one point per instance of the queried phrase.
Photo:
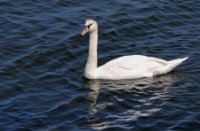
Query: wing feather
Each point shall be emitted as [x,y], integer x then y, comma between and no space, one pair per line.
[160,61]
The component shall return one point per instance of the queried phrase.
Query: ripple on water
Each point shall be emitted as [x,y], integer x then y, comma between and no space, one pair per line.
[42,61]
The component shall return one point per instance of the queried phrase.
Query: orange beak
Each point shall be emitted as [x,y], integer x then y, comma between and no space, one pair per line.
[85,30]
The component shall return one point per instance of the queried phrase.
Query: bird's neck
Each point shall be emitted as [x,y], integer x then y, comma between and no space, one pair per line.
[91,65]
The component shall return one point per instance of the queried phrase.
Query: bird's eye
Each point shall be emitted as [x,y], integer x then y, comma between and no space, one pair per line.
[89,26]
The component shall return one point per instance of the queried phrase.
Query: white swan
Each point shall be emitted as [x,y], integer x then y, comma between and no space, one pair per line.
[125,67]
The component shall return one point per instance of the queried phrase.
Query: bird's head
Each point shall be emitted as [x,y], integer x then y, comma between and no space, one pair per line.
[90,26]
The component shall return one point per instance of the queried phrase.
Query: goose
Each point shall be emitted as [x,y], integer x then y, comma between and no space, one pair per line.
[124,67]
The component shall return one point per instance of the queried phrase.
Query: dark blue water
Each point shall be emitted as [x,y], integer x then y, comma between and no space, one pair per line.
[42,61]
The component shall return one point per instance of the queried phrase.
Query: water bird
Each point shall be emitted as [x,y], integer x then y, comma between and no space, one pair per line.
[124,67]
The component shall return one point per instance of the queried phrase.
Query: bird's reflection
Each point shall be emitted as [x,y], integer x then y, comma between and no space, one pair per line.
[164,81]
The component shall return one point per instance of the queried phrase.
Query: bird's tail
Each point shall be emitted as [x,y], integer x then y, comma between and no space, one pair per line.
[174,63]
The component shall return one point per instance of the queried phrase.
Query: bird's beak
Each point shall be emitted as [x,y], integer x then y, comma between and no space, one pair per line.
[85,30]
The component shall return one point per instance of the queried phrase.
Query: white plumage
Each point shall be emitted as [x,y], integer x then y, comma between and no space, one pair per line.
[125,67]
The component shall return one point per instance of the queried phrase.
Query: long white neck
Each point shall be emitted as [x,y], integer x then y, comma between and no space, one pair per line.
[91,65]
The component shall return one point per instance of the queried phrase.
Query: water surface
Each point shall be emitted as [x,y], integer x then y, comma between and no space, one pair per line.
[42,61]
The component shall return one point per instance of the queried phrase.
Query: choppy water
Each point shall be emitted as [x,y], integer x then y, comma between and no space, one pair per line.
[42,60]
